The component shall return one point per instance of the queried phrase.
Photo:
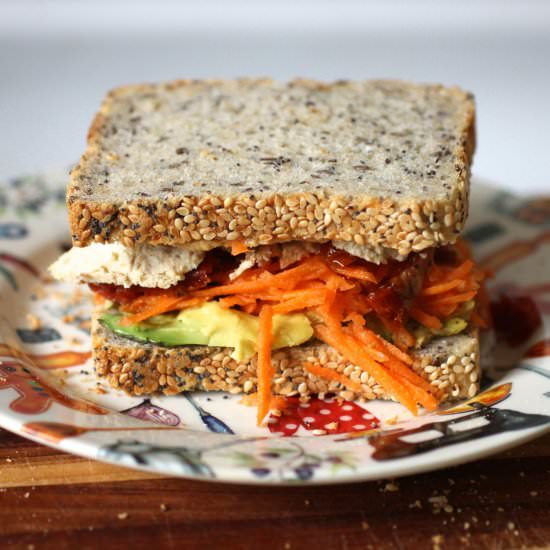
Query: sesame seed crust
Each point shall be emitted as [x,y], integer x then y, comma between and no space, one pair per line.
[451,365]
[387,227]
[325,177]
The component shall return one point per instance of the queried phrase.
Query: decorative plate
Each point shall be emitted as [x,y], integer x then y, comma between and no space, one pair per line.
[48,391]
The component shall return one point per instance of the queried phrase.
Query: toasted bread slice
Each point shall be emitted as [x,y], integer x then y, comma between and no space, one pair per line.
[451,364]
[383,164]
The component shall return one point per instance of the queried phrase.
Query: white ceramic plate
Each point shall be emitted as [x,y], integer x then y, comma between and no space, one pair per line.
[48,391]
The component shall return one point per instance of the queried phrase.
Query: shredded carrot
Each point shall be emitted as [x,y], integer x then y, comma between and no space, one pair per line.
[339,283]
[330,374]
[456,298]
[145,302]
[353,302]
[442,287]
[428,401]
[407,373]
[252,309]
[358,320]
[287,279]
[159,306]
[438,310]
[265,368]
[446,288]
[371,346]
[332,317]
[286,300]
[461,271]
[397,367]
[276,295]
[377,340]
[238,247]
[360,273]
[424,318]
[278,402]
[308,299]
[351,350]
[332,290]
[402,338]
[395,351]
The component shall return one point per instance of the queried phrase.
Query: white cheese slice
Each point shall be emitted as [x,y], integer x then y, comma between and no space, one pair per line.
[370,254]
[113,263]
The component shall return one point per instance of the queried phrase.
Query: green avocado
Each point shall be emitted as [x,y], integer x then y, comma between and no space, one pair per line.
[452,326]
[213,325]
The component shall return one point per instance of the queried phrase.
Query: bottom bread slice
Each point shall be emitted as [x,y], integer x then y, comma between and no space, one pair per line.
[451,364]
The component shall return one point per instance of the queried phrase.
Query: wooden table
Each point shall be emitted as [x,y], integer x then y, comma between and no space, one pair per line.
[49,499]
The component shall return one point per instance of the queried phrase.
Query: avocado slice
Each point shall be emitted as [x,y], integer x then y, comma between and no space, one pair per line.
[451,326]
[213,325]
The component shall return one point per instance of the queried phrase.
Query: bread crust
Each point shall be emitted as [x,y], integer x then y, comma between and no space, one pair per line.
[388,224]
[451,365]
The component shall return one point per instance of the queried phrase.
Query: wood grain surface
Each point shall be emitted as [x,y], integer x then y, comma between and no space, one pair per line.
[52,500]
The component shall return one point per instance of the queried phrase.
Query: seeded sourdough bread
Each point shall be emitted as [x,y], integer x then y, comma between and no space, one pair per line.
[384,164]
[450,364]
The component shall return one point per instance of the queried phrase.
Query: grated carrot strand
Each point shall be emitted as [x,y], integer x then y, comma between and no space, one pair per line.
[264,368]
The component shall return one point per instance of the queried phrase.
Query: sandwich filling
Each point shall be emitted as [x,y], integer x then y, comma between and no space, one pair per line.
[285,295]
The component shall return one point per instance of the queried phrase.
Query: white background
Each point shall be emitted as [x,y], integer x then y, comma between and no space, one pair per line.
[58,58]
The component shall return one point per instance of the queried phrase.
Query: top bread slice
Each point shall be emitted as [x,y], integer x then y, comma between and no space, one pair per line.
[384,164]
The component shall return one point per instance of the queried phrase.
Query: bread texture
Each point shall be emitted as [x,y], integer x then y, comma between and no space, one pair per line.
[450,364]
[384,164]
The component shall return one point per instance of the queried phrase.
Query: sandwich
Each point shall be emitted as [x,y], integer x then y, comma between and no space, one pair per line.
[280,239]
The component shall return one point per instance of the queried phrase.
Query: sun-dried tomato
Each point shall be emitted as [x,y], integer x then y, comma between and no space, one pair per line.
[387,303]
[116,293]
[516,318]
